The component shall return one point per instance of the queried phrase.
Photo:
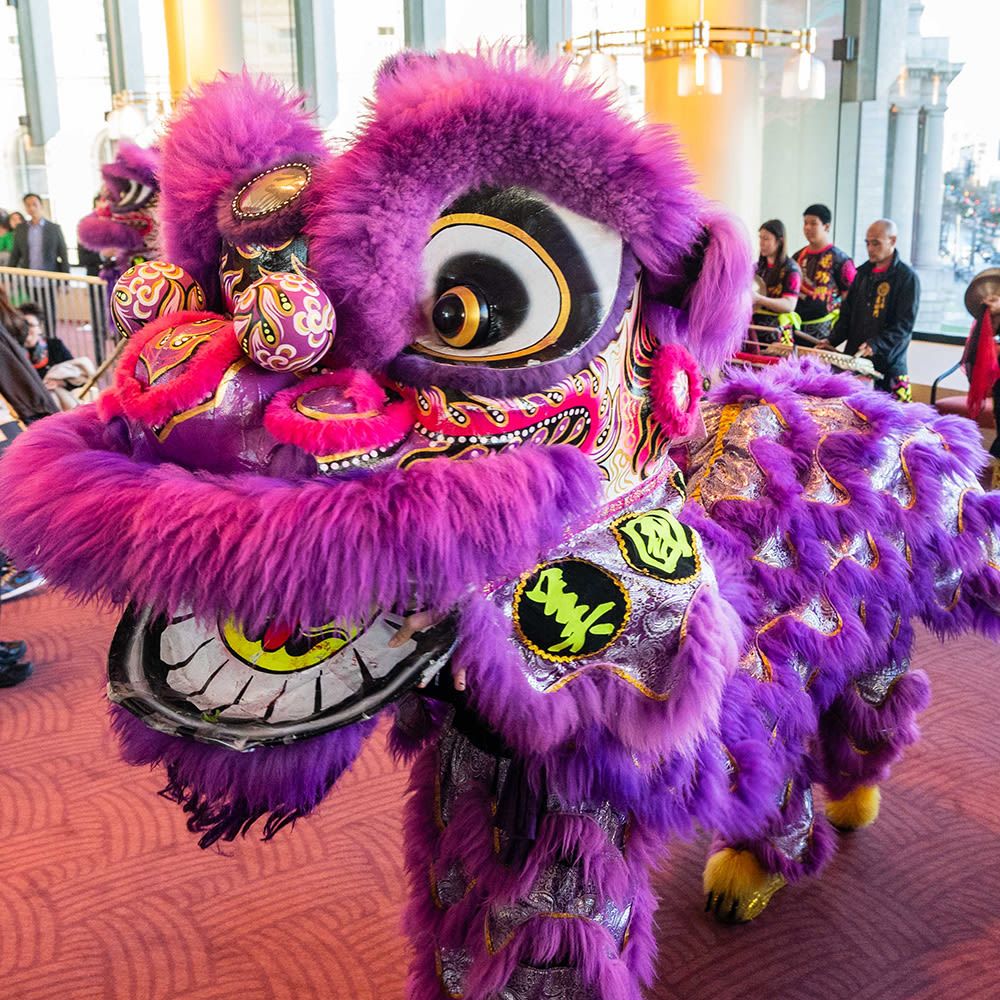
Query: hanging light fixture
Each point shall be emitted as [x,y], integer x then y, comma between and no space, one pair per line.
[697,49]
[804,75]
[600,66]
[699,68]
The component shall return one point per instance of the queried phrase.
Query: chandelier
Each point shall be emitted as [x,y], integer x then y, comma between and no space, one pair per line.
[699,46]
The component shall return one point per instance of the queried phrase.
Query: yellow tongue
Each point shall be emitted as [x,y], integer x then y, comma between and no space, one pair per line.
[270,653]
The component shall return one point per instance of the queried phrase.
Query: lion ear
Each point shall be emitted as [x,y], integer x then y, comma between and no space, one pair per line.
[706,307]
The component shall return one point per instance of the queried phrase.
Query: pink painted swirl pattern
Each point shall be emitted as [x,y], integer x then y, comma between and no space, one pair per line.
[151,289]
[284,322]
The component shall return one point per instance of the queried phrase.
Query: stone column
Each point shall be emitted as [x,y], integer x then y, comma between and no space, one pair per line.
[925,253]
[721,136]
[904,178]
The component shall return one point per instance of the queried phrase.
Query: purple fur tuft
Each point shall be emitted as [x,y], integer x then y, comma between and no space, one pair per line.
[132,162]
[99,233]
[225,791]
[426,534]
[515,125]
[226,132]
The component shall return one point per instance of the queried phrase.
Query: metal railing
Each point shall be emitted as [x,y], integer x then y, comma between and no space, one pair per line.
[75,307]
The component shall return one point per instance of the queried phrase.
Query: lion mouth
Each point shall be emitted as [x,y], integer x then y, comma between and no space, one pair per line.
[214,682]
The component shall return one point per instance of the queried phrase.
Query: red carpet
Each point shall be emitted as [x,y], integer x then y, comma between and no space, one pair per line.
[104,895]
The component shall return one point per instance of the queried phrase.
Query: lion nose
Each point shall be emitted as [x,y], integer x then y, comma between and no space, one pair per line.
[284,322]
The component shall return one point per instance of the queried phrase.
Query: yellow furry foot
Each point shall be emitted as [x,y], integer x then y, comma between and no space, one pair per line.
[737,888]
[855,810]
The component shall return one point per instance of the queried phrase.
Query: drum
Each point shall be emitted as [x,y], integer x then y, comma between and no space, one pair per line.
[834,359]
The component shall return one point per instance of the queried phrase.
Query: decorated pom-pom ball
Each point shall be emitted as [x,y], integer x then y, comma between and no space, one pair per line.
[151,289]
[284,322]
[676,389]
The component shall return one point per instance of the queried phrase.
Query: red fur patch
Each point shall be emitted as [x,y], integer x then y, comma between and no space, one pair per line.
[675,388]
[368,420]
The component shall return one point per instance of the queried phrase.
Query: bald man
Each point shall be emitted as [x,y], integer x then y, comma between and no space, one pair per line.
[879,310]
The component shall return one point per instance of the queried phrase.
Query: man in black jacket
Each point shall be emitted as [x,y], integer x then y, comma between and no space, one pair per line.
[879,310]
[38,243]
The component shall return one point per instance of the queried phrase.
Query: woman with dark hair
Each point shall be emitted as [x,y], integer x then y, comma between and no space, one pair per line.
[776,288]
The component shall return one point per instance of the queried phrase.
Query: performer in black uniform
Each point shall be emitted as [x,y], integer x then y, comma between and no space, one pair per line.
[827,273]
[877,316]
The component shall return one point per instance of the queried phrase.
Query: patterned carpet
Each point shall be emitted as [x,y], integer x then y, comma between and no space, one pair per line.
[104,895]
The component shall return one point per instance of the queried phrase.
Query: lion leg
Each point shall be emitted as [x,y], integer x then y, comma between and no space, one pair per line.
[740,879]
[563,913]
[864,732]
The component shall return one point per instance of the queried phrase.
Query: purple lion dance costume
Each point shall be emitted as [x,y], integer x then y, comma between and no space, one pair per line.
[123,226]
[442,375]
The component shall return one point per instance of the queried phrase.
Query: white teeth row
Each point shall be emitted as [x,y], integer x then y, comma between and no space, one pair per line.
[349,463]
[134,192]
[513,436]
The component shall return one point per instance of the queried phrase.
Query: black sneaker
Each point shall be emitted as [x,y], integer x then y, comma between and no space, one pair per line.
[11,652]
[18,582]
[13,673]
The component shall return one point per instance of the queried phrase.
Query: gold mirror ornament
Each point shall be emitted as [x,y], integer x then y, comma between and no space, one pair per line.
[272,190]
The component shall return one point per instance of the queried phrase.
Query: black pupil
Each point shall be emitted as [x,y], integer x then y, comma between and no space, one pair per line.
[449,314]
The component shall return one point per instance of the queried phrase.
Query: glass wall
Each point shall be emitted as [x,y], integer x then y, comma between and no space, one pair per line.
[469,24]
[73,156]
[269,38]
[366,34]
[800,135]
[957,204]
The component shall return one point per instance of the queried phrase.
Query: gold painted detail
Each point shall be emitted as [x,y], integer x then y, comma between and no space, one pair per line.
[230,374]
[618,672]
[181,343]
[728,416]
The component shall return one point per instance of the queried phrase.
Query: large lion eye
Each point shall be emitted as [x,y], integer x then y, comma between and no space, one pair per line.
[461,317]
[513,280]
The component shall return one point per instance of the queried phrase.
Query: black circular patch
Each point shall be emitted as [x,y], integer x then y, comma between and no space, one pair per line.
[570,609]
[656,544]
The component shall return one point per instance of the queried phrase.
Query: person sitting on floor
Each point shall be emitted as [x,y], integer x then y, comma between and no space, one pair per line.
[61,372]
[43,349]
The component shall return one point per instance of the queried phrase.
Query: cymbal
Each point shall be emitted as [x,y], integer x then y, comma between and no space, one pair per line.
[984,284]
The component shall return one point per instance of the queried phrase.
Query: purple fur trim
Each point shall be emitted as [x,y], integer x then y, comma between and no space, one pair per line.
[133,163]
[516,125]
[426,534]
[225,132]
[717,304]
[534,722]
[821,847]
[421,917]
[860,742]
[97,232]
[225,791]
[544,941]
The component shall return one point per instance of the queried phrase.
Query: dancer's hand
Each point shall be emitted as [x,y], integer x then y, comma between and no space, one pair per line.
[417,622]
